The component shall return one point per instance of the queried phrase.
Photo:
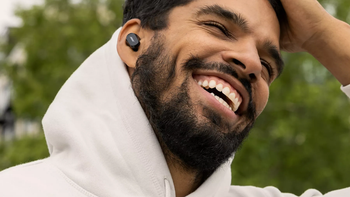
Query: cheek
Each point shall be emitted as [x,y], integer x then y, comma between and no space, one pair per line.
[194,43]
[261,97]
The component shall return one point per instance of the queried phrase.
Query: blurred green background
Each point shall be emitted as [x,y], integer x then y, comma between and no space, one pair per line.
[301,141]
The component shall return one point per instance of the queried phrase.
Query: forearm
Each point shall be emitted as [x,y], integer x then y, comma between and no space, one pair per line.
[331,47]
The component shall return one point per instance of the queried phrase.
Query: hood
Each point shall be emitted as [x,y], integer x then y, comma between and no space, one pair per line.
[100,139]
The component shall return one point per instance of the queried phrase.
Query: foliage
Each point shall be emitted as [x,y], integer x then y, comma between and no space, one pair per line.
[25,149]
[56,37]
[301,141]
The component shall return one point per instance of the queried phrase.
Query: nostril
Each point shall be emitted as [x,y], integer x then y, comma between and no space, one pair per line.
[252,77]
[237,62]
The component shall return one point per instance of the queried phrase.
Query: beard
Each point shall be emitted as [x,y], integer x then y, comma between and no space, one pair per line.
[199,142]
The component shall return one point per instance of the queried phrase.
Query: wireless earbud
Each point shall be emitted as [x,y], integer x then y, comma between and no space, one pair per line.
[133,41]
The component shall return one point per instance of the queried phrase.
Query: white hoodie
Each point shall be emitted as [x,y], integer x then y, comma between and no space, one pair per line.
[101,144]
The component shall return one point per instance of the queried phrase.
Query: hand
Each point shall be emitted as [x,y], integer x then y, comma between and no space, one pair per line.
[306,20]
[313,30]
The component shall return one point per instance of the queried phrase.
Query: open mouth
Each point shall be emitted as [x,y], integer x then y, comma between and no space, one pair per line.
[222,91]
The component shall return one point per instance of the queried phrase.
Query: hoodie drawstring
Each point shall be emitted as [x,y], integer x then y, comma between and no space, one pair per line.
[167,188]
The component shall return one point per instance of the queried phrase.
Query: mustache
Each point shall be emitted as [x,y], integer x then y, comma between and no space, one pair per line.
[195,63]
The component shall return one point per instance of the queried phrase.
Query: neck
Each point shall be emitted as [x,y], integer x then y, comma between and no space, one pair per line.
[185,180]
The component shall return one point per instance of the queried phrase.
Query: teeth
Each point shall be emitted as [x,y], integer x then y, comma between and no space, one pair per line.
[237,106]
[205,83]
[222,101]
[212,84]
[234,99]
[232,96]
[225,90]
[219,87]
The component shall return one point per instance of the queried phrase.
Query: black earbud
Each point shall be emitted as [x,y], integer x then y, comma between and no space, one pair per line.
[133,41]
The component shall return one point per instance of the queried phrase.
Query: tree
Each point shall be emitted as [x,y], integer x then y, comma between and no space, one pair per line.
[57,37]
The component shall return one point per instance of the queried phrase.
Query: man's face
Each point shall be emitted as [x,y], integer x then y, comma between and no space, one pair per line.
[205,78]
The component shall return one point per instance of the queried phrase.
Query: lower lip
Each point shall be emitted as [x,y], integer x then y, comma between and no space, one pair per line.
[214,103]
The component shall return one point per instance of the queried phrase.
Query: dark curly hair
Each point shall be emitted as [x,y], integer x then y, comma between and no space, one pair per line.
[154,13]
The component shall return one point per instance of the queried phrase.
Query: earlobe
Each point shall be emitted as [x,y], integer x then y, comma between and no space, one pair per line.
[130,42]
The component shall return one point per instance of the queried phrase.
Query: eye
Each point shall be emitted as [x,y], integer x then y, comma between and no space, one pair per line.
[268,67]
[219,26]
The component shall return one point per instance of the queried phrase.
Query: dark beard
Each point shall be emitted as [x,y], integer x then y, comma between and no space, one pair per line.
[200,144]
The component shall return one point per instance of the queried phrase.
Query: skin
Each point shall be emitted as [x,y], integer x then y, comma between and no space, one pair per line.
[315,31]
[310,29]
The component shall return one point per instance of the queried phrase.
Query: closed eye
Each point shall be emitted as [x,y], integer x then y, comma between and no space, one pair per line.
[268,67]
[219,26]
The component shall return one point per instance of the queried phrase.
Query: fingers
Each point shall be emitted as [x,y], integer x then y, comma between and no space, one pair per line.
[306,18]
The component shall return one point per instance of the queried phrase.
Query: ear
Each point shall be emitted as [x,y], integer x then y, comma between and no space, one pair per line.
[128,56]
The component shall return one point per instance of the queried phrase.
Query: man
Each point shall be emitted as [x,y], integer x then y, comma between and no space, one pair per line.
[162,107]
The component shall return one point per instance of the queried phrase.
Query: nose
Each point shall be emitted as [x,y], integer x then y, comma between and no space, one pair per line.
[245,59]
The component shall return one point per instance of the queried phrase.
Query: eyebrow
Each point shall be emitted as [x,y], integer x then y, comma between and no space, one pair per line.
[221,12]
[242,23]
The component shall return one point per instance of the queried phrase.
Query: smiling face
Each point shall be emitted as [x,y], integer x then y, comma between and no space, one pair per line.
[241,33]
[205,78]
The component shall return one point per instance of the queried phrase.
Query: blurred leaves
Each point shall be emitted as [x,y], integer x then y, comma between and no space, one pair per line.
[26,149]
[56,37]
[301,141]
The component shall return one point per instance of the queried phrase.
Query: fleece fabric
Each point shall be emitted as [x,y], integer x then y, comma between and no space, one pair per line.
[102,145]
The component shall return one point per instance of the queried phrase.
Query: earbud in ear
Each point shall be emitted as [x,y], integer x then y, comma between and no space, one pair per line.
[133,41]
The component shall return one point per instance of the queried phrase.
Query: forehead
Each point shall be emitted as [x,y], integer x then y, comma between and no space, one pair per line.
[260,16]
[256,10]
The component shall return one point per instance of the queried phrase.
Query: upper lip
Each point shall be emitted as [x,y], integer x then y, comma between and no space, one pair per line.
[235,83]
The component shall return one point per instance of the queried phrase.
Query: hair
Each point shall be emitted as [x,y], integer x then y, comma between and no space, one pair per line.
[154,13]
[281,15]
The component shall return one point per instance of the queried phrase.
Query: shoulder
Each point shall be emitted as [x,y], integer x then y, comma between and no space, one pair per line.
[39,178]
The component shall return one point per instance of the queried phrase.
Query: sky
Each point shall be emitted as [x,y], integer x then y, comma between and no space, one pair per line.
[7,7]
